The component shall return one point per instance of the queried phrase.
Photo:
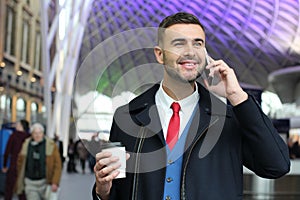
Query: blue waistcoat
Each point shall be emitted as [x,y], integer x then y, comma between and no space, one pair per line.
[174,165]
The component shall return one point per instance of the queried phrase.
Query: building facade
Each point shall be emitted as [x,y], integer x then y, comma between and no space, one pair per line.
[21,77]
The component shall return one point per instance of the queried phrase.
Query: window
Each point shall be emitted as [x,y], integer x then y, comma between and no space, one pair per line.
[8,108]
[44,113]
[10,31]
[3,102]
[5,107]
[37,58]
[25,38]
[21,108]
[34,111]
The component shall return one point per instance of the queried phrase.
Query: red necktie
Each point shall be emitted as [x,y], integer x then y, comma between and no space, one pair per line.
[173,129]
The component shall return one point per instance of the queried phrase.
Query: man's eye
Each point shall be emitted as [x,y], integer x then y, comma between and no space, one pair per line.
[178,44]
[198,44]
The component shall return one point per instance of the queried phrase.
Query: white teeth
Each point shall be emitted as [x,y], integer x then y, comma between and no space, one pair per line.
[189,64]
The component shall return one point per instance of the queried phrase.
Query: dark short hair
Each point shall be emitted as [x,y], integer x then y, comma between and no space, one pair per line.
[177,18]
[25,124]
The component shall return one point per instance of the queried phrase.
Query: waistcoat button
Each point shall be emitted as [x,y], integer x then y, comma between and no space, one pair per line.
[169,179]
[170,161]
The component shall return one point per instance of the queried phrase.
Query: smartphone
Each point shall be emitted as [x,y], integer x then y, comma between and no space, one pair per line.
[212,80]
[207,71]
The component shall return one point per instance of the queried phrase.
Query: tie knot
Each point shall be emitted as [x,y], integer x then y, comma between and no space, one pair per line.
[175,107]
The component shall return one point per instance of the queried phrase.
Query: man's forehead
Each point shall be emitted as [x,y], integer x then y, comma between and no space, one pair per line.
[187,31]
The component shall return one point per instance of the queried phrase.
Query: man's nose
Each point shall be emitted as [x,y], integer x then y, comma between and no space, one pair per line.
[189,50]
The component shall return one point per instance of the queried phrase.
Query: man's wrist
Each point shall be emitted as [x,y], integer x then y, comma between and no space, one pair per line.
[238,97]
[99,196]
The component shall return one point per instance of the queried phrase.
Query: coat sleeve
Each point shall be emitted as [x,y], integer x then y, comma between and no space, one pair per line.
[264,151]
[57,166]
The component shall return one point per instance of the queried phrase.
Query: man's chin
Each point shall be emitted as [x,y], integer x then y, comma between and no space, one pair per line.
[183,77]
[190,79]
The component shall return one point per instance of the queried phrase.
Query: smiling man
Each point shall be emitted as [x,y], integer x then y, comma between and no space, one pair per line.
[183,142]
[180,50]
[181,56]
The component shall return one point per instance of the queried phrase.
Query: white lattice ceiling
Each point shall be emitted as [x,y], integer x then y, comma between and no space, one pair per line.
[255,37]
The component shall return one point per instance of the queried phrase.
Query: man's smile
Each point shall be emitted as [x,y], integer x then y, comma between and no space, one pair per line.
[188,64]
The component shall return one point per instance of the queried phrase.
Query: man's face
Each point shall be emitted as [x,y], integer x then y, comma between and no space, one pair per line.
[37,135]
[182,52]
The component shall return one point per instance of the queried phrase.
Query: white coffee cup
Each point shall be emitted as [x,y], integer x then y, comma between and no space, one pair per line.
[120,152]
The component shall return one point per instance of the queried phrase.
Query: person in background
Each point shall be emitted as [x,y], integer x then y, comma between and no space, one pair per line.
[82,153]
[294,147]
[92,145]
[71,166]
[12,150]
[39,165]
[183,140]
[60,146]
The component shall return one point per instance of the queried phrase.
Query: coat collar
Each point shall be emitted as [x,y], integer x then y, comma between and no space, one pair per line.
[143,108]
[144,112]
[145,103]
[49,146]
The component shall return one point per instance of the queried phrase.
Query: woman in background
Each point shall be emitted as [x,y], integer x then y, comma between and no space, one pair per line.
[12,150]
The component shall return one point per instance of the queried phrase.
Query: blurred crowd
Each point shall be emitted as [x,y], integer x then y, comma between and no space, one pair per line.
[33,162]
[294,147]
[78,152]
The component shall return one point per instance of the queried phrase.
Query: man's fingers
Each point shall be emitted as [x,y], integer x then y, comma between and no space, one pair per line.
[108,173]
[102,155]
[127,156]
[217,67]
[105,162]
[109,169]
[109,178]
[106,167]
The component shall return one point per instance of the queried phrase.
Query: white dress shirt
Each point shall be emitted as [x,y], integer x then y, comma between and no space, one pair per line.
[163,103]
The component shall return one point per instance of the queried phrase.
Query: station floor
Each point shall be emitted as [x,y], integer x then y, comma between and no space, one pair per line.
[78,186]
[74,186]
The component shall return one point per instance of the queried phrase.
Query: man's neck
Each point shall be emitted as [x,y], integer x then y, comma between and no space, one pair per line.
[178,90]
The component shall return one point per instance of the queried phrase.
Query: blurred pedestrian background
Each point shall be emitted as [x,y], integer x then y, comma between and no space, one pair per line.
[12,150]
[39,165]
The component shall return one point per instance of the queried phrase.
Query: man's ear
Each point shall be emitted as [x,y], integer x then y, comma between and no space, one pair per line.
[159,54]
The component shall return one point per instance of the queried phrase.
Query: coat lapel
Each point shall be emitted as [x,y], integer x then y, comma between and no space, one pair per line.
[208,122]
[210,109]
[147,114]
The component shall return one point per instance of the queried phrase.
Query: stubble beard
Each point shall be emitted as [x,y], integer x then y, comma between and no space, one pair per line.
[176,73]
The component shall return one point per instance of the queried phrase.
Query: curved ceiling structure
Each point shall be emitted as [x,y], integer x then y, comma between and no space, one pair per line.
[255,37]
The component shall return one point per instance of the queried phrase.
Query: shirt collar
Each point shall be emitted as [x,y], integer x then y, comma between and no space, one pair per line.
[166,100]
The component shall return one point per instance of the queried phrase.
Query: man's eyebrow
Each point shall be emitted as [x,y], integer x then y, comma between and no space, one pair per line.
[178,40]
[183,40]
[199,40]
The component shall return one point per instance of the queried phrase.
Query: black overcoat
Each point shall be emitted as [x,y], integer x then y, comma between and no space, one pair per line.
[221,139]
